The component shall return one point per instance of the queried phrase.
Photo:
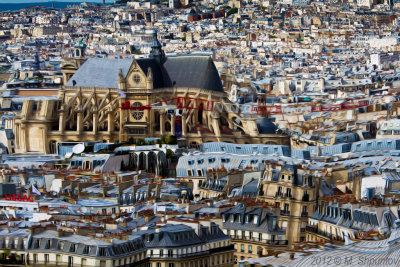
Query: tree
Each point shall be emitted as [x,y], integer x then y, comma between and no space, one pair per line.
[232,11]
[169,153]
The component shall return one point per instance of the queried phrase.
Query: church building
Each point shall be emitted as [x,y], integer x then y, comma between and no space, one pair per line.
[119,100]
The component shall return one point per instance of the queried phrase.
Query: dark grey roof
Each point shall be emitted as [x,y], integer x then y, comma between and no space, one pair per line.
[267,222]
[250,189]
[183,71]
[191,71]
[265,126]
[167,236]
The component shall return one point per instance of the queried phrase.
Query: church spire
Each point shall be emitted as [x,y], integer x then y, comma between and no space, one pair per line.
[156,49]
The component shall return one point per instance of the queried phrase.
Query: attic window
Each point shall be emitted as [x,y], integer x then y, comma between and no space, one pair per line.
[255,219]
[47,244]
[72,248]
[225,160]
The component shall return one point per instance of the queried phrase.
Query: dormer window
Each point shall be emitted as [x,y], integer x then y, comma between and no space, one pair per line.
[225,160]
[255,219]
[37,243]
[200,161]
[47,246]
[148,238]
[72,248]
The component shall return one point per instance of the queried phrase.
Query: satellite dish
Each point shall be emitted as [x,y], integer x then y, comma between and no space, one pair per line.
[113,216]
[79,148]
[68,155]
[84,210]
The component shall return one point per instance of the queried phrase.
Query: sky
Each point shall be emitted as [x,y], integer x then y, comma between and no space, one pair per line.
[44,1]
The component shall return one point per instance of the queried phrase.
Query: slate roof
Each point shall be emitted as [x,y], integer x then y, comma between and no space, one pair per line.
[113,248]
[191,71]
[165,237]
[183,71]
[264,225]
[100,72]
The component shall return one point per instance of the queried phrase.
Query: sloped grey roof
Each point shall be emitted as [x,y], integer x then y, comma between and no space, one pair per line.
[183,71]
[191,71]
[100,72]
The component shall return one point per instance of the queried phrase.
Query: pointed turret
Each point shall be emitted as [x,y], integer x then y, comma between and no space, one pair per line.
[156,49]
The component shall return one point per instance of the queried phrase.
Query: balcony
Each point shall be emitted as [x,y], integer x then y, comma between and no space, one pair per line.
[261,242]
[221,249]
[314,229]
[180,256]
[304,214]
[285,212]
[277,242]
[289,196]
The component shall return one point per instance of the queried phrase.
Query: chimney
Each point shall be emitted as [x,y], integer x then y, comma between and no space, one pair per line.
[61,233]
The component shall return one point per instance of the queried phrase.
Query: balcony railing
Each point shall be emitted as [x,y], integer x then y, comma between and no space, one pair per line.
[257,240]
[177,256]
[315,230]
[285,212]
[221,249]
